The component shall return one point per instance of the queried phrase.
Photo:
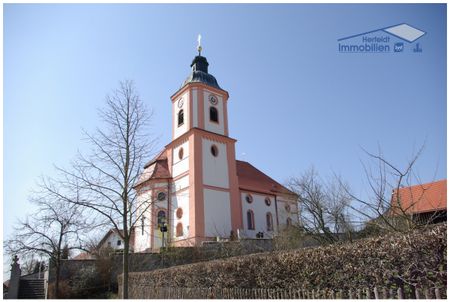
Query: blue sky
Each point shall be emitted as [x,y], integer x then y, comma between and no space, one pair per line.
[294,100]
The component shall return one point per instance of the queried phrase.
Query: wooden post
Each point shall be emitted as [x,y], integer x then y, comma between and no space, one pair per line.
[375,292]
[427,293]
[350,294]
[368,293]
[417,293]
[385,293]
[391,293]
[358,294]
[437,293]
[400,293]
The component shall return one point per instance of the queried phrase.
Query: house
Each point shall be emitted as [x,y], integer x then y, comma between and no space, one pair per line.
[195,190]
[427,203]
[113,240]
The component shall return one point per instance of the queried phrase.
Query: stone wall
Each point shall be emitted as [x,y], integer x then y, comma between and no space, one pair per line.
[144,262]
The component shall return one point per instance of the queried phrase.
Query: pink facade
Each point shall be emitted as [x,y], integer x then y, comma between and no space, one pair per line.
[196,187]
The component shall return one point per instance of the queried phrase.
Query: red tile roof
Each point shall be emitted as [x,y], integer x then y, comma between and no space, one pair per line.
[157,168]
[252,179]
[249,178]
[422,198]
[83,256]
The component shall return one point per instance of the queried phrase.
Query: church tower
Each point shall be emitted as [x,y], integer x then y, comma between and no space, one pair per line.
[195,190]
[202,155]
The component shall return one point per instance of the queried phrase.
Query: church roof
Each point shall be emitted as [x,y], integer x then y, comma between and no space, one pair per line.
[157,168]
[252,179]
[249,177]
[200,73]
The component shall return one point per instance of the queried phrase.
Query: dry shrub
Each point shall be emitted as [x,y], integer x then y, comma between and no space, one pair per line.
[416,259]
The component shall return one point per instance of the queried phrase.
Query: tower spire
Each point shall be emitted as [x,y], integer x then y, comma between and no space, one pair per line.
[199,45]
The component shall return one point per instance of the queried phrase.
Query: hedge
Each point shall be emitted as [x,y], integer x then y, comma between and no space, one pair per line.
[415,259]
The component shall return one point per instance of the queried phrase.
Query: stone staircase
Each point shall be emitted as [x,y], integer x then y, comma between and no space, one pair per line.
[31,289]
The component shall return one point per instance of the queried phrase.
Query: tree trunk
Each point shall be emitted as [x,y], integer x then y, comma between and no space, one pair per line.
[126,250]
[58,269]
[125,267]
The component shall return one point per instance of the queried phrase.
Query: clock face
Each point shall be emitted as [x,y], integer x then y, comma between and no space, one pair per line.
[213,99]
[180,103]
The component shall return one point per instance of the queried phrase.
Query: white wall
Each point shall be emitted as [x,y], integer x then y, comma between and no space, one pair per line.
[142,241]
[215,169]
[180,166]
[113,240]
[217,213]
[260,209]
[180,184]
[195,107]
[283,214]
[211,126]
[180,200]
[183,128]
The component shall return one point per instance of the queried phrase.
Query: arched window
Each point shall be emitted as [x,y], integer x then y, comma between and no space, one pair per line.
[289,221]
[250,220]
[179,230]
[180,153]
[161,217]
[179,213]
[213,115]
[269,221]
[180,117]
[214,150]
[142,224]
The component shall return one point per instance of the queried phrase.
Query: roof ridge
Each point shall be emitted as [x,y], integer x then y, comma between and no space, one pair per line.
[424,184]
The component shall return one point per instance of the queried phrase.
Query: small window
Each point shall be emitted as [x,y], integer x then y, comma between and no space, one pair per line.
[214,150]
[213,115]
[161,217]
[249,198]
[250,220]
[142,224]
[268,201]
[119,242]
[289,221]
[161,196]
[179,213]
[109,243]
[180,117]
[269,221]
[179,230]
[180,153]
[288,208]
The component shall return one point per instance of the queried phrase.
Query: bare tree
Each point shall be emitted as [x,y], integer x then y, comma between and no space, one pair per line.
[389,204]
[53,229]
[323,206]
[106,175]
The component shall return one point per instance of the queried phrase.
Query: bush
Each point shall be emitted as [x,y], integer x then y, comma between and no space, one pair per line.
[417,258]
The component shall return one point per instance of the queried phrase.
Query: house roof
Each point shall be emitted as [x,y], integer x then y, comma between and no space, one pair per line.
[252,179]
[83,256]
[422,198]
[114,231]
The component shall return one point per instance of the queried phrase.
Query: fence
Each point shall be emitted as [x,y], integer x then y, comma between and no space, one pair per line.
[145,292]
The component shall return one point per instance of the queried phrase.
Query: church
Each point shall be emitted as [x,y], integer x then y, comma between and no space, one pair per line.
[195,190]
